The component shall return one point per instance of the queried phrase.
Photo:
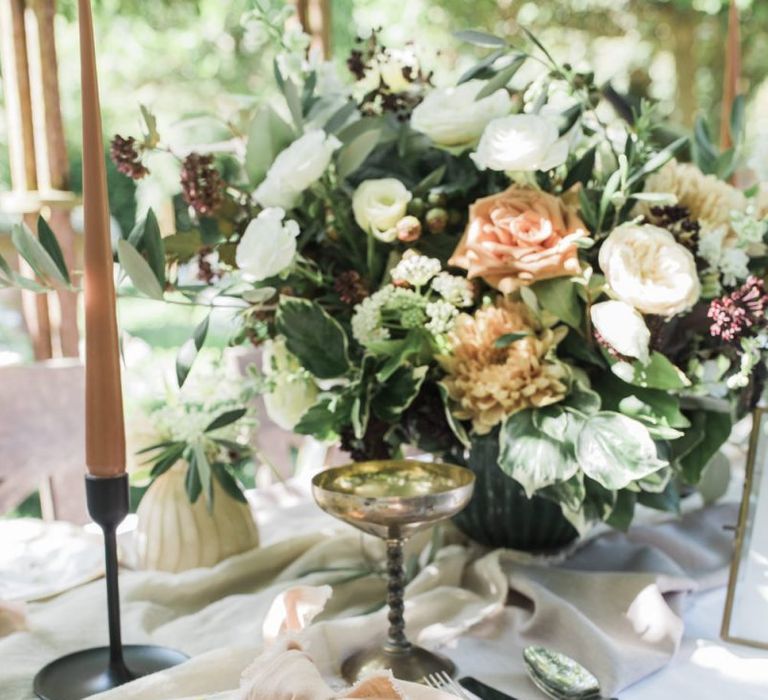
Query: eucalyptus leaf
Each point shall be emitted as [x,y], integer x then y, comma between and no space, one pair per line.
[188,352]
[507,339]
[36,255]
[228,482]
[204,473]
[483,66]
[738,119]
[353,155]
[340,117]
[192,479]
[268,135]
[502,78]
[430,181]
[477,38]
[658,160]
[582,170]
[225,419]
[138,270]
[294,103]
[48,240]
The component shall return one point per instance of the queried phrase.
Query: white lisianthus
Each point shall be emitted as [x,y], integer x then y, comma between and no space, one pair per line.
[415,269]
[649,270]
[296,168]
[451,116]
[521,142]
[623,328]
[378,205]
[268,245]
[293,391]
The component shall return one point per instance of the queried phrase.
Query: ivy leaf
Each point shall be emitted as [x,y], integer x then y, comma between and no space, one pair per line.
[394,397]
[189,351]
[659,373]
[453,423]
[316,339]
[623,510]
[138,270]
[531,456]
[318,421]
[559,297]
[353,155]
[615,450]
[714,429]
[48,240]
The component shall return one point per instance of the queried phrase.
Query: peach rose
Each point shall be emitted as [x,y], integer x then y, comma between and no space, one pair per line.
[519,236]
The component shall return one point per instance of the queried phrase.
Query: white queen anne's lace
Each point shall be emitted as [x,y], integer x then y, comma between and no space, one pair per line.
[442,316]
[455,290]
[416,269]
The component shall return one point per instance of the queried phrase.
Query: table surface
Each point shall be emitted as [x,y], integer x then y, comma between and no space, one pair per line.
[705,667]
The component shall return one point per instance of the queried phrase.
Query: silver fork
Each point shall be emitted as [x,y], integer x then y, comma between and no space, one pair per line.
[442,681]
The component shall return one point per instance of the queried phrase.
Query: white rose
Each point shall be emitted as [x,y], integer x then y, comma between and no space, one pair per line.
[648,269]
[296,168]
[623,328]
[523,142]
[451,117]
[378,205]
[293,391]
[268,245]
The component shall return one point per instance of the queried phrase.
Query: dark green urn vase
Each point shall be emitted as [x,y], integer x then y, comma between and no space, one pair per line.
[501,515]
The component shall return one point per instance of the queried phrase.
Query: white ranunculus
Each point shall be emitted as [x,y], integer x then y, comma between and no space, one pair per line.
[296,168]
[268,245]
[648,269]
[378,205]
[293,391]
[623,328]
[451,116]
[522,142]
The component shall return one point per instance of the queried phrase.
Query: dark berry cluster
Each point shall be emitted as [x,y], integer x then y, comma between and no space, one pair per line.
[201,184]
[350,287]
[127,157]
[738,312]
[676,219]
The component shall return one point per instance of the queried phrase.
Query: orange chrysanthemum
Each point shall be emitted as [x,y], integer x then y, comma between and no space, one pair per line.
[488,383]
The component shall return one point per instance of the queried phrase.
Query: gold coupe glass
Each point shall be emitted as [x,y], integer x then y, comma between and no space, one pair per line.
[393,499]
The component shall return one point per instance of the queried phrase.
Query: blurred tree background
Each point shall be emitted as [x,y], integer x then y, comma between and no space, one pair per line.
[186,58]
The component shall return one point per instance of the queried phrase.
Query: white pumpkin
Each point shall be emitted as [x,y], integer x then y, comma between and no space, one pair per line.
[175,535]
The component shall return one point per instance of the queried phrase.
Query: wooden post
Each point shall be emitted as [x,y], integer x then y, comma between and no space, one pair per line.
[18,99]
[315,19]
[732,75]
[51,152]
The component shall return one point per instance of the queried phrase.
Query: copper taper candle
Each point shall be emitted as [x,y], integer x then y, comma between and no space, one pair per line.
[104,428]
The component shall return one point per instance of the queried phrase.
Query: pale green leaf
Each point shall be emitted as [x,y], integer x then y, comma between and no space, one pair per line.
[138,270]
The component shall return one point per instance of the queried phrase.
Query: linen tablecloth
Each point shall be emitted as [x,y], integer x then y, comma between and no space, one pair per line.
[616,604]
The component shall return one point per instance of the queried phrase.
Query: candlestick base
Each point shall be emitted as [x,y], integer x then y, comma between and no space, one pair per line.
[87,672]
[90,671]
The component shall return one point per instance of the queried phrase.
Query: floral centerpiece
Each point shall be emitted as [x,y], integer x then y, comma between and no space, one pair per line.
[501,272]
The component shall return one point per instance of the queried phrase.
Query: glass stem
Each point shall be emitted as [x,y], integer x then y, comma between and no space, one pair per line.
[396,639]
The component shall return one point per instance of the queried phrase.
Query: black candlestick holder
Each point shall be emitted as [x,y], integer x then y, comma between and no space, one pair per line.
[95,670]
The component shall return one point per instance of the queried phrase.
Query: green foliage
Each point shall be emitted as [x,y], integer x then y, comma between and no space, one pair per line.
[316,339]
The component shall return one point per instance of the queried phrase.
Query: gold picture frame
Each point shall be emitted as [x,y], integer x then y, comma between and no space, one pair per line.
[750,558]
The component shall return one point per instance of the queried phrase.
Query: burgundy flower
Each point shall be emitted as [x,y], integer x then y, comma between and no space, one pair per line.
[201,183]
[735,314]
[127,157]
[350,287]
